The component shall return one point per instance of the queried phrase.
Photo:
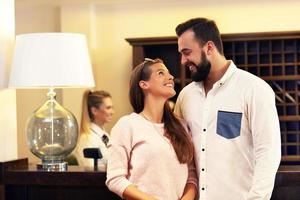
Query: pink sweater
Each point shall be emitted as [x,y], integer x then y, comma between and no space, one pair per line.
[139,154]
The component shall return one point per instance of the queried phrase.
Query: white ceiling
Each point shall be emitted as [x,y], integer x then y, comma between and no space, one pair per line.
[114,2]
[59,2]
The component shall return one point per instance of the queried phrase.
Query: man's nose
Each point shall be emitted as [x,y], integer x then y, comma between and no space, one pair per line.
[183,59]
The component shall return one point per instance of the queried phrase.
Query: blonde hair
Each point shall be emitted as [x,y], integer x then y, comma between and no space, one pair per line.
[90,99]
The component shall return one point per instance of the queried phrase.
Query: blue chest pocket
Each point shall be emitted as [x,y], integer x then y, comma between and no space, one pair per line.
[229,124]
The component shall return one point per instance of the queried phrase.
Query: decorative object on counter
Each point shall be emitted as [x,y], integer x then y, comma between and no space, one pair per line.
[51,60]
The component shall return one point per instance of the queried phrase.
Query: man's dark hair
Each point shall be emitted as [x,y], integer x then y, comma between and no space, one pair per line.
[205,30]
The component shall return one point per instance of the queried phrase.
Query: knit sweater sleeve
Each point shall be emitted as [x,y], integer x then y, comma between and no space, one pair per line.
[192,175]
[119,149]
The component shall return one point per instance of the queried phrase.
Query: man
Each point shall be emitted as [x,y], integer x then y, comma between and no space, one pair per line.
[232,117]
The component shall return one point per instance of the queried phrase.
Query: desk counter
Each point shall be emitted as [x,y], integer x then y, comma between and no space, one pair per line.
[20,181]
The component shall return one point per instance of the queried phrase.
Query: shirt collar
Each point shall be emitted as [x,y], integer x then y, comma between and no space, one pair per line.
[97,130]
[229,72]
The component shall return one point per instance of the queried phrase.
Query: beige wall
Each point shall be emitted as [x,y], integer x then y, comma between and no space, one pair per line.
[8,126]
[108,24]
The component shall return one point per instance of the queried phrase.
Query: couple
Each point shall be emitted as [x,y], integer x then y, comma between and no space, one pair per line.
[230,115]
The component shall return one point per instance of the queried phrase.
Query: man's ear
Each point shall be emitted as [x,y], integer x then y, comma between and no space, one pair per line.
[210,46]
[143,84]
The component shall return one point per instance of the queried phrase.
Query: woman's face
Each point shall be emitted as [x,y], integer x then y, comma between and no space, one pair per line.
[104,113]
[161,82]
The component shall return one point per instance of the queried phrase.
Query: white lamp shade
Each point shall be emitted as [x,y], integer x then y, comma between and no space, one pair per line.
[55,60]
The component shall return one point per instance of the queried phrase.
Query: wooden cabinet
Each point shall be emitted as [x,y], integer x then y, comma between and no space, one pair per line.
[274,56]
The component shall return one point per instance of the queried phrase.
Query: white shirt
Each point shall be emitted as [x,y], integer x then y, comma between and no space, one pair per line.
[92,139]
[235,129]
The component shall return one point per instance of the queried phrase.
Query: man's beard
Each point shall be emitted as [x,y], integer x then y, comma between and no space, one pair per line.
[203,69]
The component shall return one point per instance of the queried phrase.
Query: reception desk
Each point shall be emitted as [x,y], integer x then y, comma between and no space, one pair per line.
[20,181]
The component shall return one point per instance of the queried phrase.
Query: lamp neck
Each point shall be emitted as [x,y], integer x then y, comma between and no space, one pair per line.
[51,94]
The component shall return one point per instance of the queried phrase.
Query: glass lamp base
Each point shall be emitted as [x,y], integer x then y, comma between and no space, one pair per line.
[63,166]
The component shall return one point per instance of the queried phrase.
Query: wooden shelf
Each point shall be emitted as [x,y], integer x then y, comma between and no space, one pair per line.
[290,158]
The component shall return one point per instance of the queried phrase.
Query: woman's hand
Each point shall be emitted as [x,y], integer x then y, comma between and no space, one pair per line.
[133,193]
[190,192]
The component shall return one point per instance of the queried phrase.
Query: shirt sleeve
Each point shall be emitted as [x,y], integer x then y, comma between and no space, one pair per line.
[264,125]
[119,148]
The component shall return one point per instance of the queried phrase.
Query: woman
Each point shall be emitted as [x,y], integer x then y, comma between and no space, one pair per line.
[150,152]
[97,110]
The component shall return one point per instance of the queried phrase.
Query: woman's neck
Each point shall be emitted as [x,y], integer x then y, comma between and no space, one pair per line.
[153,110]
[100,124]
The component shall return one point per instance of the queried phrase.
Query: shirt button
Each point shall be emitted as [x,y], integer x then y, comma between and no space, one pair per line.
[203,149]
[202,169]
[203,188]
[204,129]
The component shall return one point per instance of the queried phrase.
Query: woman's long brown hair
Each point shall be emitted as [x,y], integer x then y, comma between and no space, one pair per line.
[174,129]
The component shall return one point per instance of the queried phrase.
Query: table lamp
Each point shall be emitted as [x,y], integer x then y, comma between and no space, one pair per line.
[51,60]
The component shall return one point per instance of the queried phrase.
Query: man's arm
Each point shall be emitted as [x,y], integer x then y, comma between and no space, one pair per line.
[264,125]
